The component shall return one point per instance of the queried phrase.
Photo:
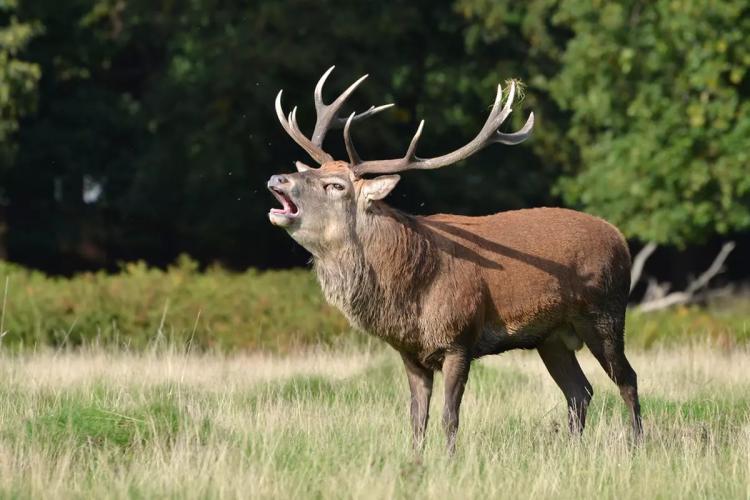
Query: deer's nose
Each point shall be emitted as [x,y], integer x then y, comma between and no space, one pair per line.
[278,180]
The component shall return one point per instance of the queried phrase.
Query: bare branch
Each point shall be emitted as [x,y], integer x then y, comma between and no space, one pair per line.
[656,290]
[670,300]
[639,261]
[694,288]
[715,268]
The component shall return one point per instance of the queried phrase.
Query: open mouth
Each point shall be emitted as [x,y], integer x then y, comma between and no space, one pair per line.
[289,209]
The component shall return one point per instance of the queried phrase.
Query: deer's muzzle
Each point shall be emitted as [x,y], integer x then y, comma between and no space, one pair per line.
[279,186]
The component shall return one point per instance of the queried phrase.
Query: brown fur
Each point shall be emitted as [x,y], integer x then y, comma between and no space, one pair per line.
[445,289]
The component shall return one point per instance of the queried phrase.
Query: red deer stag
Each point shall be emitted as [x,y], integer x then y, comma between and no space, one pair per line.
[446,289]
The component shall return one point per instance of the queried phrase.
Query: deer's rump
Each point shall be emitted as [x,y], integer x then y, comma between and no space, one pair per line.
[539,267]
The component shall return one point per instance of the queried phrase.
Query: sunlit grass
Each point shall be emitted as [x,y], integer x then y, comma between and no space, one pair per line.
[328,424]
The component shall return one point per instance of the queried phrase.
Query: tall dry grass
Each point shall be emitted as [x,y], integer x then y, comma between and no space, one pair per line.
[334,425]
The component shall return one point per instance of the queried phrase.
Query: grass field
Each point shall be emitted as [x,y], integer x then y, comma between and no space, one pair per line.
[334,425]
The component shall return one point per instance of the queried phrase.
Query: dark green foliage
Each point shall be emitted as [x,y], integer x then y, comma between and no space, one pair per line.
[147,308]
[19,78]
[161,112]
[168,107]
[649,115]
[658,95]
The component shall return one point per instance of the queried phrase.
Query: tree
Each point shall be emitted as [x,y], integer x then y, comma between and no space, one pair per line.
[18,77]
[154,131]
[653,120]
[18,91]
[658,96]
[168,108]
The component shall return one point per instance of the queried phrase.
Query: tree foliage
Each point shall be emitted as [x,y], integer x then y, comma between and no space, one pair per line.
[18,77]
[658,94]
[652,117]
[154,131]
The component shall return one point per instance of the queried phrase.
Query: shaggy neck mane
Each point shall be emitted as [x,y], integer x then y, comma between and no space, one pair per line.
[375,279]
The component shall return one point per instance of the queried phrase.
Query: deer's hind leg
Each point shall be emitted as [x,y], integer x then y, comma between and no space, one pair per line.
[603,333]
[562,364]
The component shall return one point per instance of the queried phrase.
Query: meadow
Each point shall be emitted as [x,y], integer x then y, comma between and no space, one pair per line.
[188,383]
[100,423]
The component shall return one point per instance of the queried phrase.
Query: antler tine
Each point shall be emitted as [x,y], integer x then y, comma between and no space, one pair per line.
[519,136]
[293,122]
[498,115]
[290,126]
[340,122]
[327,118]
[487,135]
[516,137]
[354,158]
[318,93]
[328,113]
[411,152]
[395,165]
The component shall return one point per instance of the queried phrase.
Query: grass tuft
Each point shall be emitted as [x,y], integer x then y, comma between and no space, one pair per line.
[74,422]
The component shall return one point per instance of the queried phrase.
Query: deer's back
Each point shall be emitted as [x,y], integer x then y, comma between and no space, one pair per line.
[537,262]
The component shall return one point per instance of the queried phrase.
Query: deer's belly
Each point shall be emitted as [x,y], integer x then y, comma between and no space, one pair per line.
[495,339]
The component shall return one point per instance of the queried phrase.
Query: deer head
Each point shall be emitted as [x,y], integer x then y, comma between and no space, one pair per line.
[322,206]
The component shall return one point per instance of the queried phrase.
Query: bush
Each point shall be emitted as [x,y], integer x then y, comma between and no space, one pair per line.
[143,306]
[277,311]
[723,324]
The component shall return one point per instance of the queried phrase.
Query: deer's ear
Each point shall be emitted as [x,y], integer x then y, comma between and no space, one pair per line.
[301,167]
[379,187]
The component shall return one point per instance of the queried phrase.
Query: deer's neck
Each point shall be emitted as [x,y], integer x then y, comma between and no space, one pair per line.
[376,280]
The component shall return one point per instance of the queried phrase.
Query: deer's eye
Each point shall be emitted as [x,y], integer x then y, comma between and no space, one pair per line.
[334,186]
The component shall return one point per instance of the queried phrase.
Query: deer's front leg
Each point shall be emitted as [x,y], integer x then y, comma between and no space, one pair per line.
[420,385]
[455,372]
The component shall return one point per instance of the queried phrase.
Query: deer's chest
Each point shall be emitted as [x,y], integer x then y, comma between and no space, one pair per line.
[392,317]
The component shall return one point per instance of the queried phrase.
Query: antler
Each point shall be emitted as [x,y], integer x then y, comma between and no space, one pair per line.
[487,135]
[327,118]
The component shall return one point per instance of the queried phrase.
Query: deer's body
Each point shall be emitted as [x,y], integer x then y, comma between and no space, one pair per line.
[445,289]
[488,284]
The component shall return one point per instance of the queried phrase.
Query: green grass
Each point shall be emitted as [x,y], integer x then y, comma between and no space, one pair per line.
[81,420]
[330,424]
[277,311]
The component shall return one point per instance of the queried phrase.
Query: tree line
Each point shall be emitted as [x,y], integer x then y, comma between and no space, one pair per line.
[142,129]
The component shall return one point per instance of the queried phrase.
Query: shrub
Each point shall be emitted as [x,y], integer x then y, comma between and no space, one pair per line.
[142,306]
[277,311]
